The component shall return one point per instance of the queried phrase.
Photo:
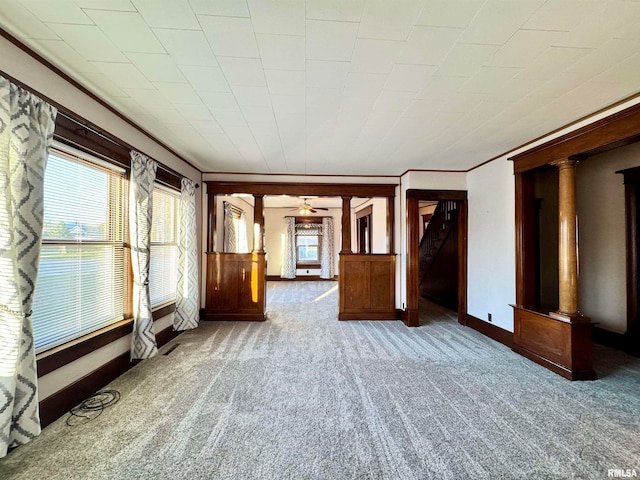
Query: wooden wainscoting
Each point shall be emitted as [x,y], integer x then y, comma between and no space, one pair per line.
[561,345]
[367,286]
[235,286]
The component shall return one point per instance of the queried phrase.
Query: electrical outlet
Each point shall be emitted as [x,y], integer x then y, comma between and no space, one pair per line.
[489,317]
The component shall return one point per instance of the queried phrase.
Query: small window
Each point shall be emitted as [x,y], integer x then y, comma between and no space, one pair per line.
[163,268]
[308,248]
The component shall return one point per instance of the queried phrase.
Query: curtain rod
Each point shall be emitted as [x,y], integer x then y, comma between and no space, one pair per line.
[234,208]
[118,143]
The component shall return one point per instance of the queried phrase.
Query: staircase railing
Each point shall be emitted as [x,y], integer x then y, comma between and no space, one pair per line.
[431,240]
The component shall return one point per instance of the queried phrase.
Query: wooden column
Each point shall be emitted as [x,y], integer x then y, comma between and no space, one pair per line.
[567,239]
[411,317]
[258,223]
[346,225]
[390,225]
[212,244]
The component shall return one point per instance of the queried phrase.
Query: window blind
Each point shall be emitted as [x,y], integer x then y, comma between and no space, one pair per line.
[81,277]
[163,270]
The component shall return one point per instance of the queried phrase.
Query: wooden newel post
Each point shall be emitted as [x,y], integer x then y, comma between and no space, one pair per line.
[346,225]
[258,223]
[567,239]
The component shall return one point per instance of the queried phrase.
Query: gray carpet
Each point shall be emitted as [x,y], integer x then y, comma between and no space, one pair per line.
[303,396]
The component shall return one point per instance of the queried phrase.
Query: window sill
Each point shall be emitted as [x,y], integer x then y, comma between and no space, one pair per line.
[57,357]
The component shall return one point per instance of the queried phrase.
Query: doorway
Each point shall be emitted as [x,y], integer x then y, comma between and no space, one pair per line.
[457,199]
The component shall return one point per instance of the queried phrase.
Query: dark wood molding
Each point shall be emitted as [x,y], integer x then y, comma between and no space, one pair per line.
[60,356]
[319,175]
[301,189]
[346,225]
[258,221]
[616,130]
[463,237]
[56,405]
[391,232]
[436,195]
[525,225]
[364,212]
[413,259]
[47,64]
[489,330]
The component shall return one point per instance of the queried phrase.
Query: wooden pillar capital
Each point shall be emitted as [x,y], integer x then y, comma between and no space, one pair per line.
[346,224]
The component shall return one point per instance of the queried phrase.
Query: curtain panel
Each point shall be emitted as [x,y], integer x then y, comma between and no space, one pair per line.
[143,175]
[26,132]
[288,269]
[327,249]
[229,229]
[187,311]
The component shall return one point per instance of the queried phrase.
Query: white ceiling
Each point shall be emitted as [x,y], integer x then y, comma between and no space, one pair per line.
[341,86]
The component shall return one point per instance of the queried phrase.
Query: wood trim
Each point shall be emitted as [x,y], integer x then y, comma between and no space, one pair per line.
[88,93]
[463,235]
[413,259]
[258,220]
[333,175]
[346,225]
[301,189]
[56,405]
[212,243]
[391,212]
[301,278]
[364,212]
[525,240]
[60,356]
[494,332]
[615,130]
[437,195]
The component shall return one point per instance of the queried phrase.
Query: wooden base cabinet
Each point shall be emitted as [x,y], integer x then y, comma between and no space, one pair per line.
[235,286]
[367,287]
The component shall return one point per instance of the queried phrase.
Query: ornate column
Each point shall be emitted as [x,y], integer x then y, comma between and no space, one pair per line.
[258,223]
[567,239]
[346,225]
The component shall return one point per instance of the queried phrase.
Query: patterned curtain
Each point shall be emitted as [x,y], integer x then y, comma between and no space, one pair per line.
[187,296]
[243,245]
[289,249]
[229,229]
[143,175]
[26,131]
[326,255]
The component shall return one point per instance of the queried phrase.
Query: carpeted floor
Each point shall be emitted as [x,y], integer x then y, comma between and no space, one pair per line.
[303,396]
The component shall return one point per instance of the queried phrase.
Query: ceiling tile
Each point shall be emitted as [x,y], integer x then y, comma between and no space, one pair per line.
[127,31]
[409,78]
[389,20]
[194,112]
[285,82]
[429,45]
[374,56]
[339,10]
[288,104]
[230,36]
[324,98]
[19,21]
[321,73]
[498,20]
[393,101]
[205,79]
[284,52]
[330,40]
[67,55]
[465,59]
[219,101]
[364,84]
[489,79]
[178,92]
[103,84]
[229,118]
[125,75]
[187,47]
[60,11]
[157,68]
[612,52]
[553,60]
[262,115]
[282,17]
[248,96]
[223,8]
[449,13]
[174,14]
[121,5]
[560,15]
[243,71]
[150,99]
[523,47]
[442,86]
[89,41]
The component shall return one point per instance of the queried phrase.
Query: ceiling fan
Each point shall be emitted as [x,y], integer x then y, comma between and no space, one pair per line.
[305,208]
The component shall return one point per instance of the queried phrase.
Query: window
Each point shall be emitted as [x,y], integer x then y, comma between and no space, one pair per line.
[81,280]
[308,238]
[163,270]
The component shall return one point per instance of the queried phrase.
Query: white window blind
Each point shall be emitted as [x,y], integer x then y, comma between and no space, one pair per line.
[163,271]
[81,277]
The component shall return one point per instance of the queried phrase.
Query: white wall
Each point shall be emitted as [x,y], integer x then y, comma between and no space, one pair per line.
[601,229]
[24,68]
[378,223]
[274,229]
[491,243]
